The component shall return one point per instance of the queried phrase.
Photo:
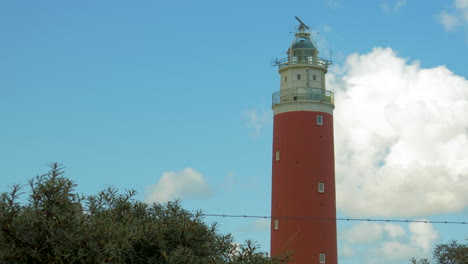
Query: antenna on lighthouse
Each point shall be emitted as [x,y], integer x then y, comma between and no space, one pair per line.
[303,25]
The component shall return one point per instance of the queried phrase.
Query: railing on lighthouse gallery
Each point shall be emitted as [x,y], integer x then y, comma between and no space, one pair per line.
[303,94]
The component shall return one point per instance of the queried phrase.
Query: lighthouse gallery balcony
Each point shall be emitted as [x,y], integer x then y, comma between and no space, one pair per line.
[302,60]
[303,94]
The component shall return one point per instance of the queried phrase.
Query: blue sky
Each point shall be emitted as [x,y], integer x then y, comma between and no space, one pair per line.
[172,99]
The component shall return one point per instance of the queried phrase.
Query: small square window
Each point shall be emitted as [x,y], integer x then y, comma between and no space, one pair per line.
[276,224]
[321,187]
[285,78]
[319,120]
[277,154]
[314,77]
[322,258]
[298,76]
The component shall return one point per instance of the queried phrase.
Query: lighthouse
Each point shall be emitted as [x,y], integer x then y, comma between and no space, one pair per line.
[303,209]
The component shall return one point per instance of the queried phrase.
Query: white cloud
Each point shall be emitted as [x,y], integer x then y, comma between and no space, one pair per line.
[363,233]
[394,250]
[256,121]
[423,236]
[421,240]
[449,21]
[394,230]
[346,251]
[400,137]
[397,246]
[452,20]
[183,184]
[462,6]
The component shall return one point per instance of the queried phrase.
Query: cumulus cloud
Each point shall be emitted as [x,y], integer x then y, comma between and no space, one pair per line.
[374,242]
[256,120]
[394,250]
[394,230]
[401,137]
[449,21]
[183,184]
[346,251]
[423,236]
[458,16]
[462,6]
[363,233]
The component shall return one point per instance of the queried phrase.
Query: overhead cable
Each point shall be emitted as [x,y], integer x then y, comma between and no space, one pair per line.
[339,219]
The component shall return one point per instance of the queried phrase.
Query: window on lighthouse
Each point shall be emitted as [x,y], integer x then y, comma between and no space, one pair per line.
[322,258]
[276,224]
[321,187]
[277,155]
[319,120]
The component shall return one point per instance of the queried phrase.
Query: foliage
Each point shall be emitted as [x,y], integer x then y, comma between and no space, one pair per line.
[420,261]
[450,253]
[57,225]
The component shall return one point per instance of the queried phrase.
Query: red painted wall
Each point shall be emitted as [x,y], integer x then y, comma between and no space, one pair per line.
[306,159]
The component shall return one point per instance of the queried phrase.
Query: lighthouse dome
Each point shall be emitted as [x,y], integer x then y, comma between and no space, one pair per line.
[303,43]
[303,49]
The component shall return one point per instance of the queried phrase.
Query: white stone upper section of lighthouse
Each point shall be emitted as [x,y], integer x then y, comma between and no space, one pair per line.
[303,74]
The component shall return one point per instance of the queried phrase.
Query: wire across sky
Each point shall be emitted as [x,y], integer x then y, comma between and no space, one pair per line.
[339,219]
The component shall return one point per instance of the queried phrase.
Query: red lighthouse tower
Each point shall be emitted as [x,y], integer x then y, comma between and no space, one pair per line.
[303,181]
